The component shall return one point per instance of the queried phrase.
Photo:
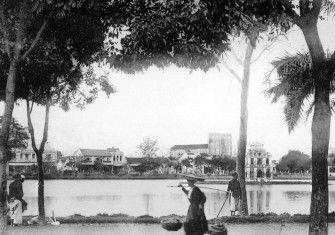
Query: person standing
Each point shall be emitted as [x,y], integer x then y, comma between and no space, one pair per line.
[16,190]
[234,193]
[196,222]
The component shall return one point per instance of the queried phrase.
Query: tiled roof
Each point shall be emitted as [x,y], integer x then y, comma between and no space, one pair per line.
[112,150]
[95,152]
[190,146]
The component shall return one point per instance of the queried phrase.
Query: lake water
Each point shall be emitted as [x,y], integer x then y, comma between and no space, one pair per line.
[156,198]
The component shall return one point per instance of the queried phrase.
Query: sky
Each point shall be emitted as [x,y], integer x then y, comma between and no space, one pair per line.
[175,106]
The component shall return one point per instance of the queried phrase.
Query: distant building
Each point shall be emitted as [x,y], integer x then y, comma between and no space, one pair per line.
[190,150]
[331,150]
[331,166]
[258,163]
[110,156]
[220,144]
[274,166]
[26,159]
[66,163]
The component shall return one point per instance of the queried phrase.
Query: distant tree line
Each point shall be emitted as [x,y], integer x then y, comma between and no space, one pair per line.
[294,162]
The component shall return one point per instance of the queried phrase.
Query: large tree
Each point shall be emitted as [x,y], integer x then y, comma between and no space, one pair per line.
[52,75]
[296,84]
[23,25]
[251,31]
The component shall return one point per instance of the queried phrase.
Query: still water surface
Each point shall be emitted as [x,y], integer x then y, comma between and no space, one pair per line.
[156,198]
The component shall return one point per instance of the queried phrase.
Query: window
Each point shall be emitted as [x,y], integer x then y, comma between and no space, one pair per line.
[33,156]
[120,158]
[49,157]
[113,158]
[26,156]
[259,161]
[251,161]
[267,161]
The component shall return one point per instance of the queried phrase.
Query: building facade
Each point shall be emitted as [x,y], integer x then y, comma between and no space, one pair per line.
[258,164]
[220,144]
[108,157]
[188,151]
[26,159]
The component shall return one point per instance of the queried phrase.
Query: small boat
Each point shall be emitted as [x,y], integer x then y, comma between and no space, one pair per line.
[171,224]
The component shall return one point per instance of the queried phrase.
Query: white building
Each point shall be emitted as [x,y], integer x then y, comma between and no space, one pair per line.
[109,157]
[258,164]
[188,151]
[26,158]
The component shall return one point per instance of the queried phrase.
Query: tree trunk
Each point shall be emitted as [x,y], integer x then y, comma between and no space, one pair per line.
[242,142]
[41,210]
[320,132]
[39,153]
[4,133]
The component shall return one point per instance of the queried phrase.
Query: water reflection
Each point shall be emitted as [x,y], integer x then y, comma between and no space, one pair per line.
[156,198]
[267,202]
[296,195]
[259,201]
[147,198]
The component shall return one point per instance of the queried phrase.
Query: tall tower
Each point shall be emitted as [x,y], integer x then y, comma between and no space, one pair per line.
[220,144]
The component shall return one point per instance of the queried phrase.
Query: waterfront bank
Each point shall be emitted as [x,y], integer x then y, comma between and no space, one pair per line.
[224,179]
[153,229]
[147,219]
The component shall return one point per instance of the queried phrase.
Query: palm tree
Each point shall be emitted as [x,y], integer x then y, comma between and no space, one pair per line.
[299,81]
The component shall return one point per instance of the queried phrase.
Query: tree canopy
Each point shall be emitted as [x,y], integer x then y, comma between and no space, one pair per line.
[148,147]
[188,33]
[294,161]
[226,163]
[53,68]
[147,164]
[18,136]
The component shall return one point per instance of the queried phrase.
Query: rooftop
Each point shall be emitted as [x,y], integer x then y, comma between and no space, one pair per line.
[95,152]
[98,152]
[190,146]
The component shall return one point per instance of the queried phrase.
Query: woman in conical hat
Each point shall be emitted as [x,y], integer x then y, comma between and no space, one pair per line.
[196,222]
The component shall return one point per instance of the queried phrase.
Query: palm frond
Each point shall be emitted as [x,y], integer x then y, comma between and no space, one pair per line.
[328,7]
[293,109]
[309,111]
[293,64]
[290,64]
[332,105]
[295,84]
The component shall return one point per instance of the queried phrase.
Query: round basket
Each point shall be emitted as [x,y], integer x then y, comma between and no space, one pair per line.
[171,224]
[218,229]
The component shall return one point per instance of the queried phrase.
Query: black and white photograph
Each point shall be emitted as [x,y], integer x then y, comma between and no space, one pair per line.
[167,117]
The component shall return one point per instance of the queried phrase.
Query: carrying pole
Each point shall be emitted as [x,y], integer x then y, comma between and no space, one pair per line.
[222,207]
[203,187]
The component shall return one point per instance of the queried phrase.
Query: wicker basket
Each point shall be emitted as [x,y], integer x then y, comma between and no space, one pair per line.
[218,229]
[172,224]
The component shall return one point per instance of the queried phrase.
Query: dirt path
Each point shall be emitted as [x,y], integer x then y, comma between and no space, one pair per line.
[154,229]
